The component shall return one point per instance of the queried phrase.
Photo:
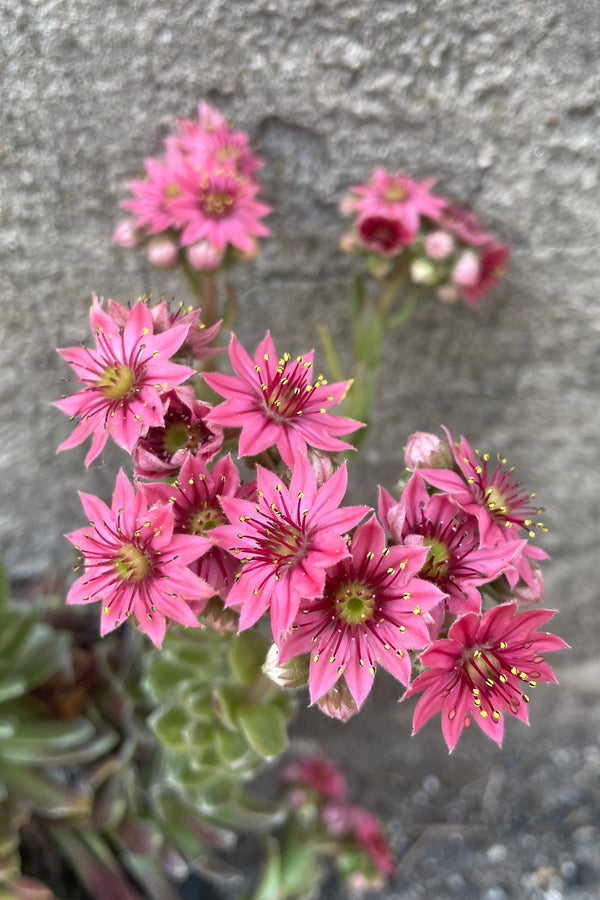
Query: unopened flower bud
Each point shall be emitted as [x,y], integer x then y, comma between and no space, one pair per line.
[423,271]
[525,593]
[467,270]
[203,256]
[338,702]
[428,451]
[162,252]
[289,675]
[439,245]
[126,234]
[448,293]
[322,466]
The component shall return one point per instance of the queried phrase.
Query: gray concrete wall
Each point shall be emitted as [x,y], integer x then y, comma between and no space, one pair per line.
[499,100]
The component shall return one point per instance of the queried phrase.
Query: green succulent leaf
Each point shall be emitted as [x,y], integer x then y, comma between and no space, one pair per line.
[246,655]
[264,727]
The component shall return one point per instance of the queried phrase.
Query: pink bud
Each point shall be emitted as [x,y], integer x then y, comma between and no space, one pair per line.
[525,593]
[162,252]
[322,466]
[338,702]
[467,270]
[439,245]
[203,256]
[126,234]
[427,450]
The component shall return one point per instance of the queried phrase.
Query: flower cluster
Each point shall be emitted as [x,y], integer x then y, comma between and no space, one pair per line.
[397,220]
[346,591]
[316,784]
[198,201]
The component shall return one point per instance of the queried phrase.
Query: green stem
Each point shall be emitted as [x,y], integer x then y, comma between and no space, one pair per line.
[330,352]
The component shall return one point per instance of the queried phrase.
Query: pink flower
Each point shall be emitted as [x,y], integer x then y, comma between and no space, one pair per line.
[220,207]
[154,197]
[492,495]
[199,336]
[396,197]
[369,612]
[465,224]
[285,542]
[163,450]
[383,235]
[217,146]
[343,820]
[482,670]
[195,500]
[455,561]
[135,565]
[274,402]
[319,774]
[124,377]
[492,262]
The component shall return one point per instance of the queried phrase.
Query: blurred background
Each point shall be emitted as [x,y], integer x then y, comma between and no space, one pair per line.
[500,102]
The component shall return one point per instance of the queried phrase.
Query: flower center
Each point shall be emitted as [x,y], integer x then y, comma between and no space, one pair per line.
[438,559]
[286,393]
[116,381]
[354,602]
[131,564]
[179,436]
[216,203]
[172,192]
[482,668]
[495,500]
[394,193]
[227,152]
[205,519]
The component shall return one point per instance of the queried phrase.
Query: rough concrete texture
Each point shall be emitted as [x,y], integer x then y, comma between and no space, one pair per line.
[498,100]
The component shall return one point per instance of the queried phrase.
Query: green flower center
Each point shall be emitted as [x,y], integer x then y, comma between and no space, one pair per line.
[179,436]
[354,603]
[131,564]
[437,562]
[204,520]
[116,381]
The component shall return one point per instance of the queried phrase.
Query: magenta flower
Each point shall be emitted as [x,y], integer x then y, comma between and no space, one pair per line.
[369,612]
[490,494]
[186,432]
[318,774]
[397,197]
[124,378]
[285,542]
[198,337]
[210,143]
[219,206]
[492,264]
[154,196]
[135,565]
[483,669]
[455,561]
[383,235]
[357,823]
[195,499]
[273,400]
[465,224]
